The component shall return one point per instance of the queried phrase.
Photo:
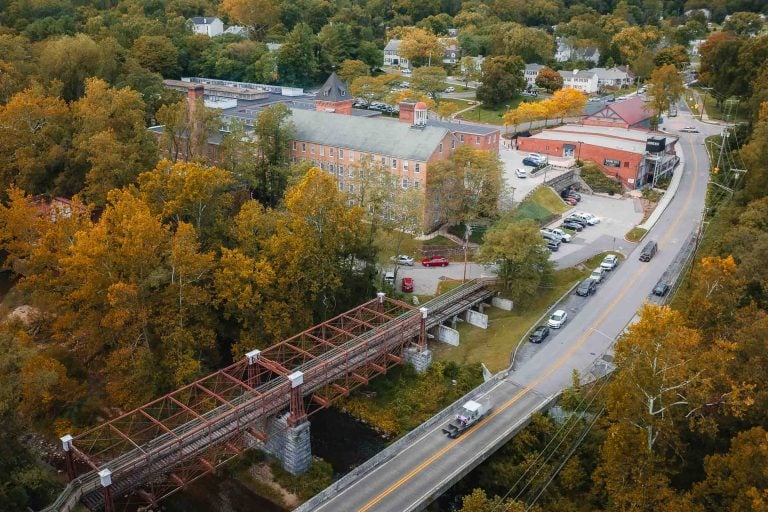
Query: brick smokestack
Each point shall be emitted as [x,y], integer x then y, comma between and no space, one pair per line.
[406,111]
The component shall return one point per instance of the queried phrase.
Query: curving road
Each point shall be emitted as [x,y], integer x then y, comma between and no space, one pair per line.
[417,475]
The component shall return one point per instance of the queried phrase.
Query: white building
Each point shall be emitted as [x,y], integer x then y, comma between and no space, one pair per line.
[207,26]
[392,54]
[530,72]
[237,30]
[584,81]
[613,77]
[566,51]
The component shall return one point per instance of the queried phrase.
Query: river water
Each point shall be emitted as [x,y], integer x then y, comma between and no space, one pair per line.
[337,437]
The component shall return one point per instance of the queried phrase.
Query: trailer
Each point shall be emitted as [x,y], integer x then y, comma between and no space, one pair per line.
[471,412]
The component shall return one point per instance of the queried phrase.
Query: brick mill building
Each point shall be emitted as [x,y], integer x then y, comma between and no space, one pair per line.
[617,138]
[336,137]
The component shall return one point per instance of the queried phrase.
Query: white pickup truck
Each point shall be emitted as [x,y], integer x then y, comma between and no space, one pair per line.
[471,412]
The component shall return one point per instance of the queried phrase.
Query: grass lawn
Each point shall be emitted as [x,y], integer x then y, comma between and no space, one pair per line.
[541,205]
[548,198]
[491,115]
[494,346]
[732,109]
[636,234]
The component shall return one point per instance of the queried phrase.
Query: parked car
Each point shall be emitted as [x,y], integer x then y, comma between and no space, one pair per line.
[435,261]
[597,274]
[586,217]
[532,162]
[661,288]
[450,89]
[406,71]
[539,334]
[553,245]
[575,226]
[571,201]
[689,129]
[402,259]
[406,285]
[537,156]
[521,173]
[574,195]
[609,262]
[557,319]
[586,288]
[389,277]
[564,237]
[577,220]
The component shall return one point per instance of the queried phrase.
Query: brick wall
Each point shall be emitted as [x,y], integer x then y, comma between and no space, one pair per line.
[629,162]
[339,107]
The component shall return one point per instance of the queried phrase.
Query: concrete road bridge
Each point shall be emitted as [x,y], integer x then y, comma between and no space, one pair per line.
[262,400]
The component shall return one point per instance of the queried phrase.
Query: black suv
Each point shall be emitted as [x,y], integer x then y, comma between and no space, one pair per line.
[661,288]
[539,334]
[576,220]
[586,288]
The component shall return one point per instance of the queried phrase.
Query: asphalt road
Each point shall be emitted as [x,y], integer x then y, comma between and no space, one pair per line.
[412,479]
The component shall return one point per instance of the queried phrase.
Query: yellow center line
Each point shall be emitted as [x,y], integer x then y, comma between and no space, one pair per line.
[549,370]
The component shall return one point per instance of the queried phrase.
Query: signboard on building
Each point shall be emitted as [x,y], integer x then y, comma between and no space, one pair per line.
[655,144]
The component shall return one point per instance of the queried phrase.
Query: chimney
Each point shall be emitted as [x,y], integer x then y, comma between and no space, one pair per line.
[407,112]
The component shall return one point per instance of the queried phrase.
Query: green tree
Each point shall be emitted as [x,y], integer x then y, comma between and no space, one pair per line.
[430,81]
[274,132]
[502,79]
[744,24]
[72,59]
[297,59]
[521,256]
[469,70]
[158,54]
[531,44]
[186,128]
[370,88]
[675,55]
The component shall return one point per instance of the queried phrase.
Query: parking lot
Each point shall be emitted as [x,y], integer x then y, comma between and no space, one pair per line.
[513,159]
[617,216]
[426,279]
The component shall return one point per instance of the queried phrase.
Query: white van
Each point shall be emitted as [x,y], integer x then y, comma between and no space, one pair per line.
[389,277]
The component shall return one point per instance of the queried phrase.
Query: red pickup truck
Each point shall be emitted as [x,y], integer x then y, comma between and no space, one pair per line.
[435,261]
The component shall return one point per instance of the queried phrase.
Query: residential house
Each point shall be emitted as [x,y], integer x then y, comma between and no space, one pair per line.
[567,51]
[584,81]
[531,72]
[616,77]
[451,53]
[392,54]
[207,26]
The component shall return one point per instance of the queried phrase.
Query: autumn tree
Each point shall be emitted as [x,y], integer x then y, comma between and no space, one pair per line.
[111,137]
[186,128]
[188,192]
[369,88]
[521,256]
[353,69]
[744,24]
[447,110]
[238,153]
[675,55]
[632,41]
[465,187]
[421,47]
[478,501]
[35,129]
[257,15]
[665,88]
[530,44]
[72,59]
[549,79]
[502,79]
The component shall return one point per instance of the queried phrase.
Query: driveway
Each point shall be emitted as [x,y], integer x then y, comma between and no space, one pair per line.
[425,279]
[513,159]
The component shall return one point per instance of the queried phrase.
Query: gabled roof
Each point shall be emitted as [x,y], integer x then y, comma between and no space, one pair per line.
[533,67]
[393,45]
[333,90]
[204,20]
[577,73]
[387,137]
[631,111]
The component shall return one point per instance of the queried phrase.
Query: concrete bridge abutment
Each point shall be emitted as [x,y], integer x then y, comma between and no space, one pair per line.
[290,444]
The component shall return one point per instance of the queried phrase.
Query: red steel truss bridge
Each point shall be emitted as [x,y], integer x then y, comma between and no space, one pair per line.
[160,447]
